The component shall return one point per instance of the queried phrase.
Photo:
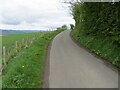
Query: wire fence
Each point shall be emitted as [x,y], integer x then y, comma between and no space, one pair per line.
[11,52]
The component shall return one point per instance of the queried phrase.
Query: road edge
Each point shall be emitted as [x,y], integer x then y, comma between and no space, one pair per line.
[45,76]
[108,64]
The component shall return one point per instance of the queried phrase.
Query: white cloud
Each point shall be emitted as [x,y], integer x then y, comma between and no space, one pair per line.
[33,14]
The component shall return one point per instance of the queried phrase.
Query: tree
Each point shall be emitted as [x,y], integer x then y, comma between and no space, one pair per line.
[64,27]
[71,26]
[58,28]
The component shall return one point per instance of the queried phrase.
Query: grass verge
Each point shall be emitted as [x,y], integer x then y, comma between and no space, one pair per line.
[104,49]
[25,70]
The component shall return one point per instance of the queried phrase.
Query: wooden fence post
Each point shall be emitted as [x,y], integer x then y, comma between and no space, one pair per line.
[4,56]
[28,40]
[31,41]
[16,45]
[23,43]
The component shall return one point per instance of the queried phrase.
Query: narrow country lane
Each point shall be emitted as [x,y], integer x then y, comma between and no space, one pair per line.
[74,67]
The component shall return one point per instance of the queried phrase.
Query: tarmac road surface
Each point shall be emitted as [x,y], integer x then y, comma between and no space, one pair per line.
[74,67]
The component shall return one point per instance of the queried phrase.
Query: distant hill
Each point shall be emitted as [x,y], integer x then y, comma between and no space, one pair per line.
[5,32]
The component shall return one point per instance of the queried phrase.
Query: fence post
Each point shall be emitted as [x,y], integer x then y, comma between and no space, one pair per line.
[4,56]
[31,40]
[23,42]
[27,40]
[16,45]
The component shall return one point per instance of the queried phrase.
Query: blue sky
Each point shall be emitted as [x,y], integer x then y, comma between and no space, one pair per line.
[33,14]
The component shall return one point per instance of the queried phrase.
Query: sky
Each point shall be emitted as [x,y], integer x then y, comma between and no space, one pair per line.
[34,14]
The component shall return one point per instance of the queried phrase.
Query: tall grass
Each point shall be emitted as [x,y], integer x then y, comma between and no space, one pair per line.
[25,70]
[23,41]
[99,46]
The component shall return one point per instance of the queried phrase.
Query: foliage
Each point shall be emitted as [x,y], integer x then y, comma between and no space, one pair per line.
[98,19]
[64,27]
[23,41]
[58,28]
[100,47]
[100,22]
[71,26]
[26,69]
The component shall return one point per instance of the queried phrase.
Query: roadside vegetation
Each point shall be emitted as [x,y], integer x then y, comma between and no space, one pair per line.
[15,43]
[97,28]
[9,40]
[26,69]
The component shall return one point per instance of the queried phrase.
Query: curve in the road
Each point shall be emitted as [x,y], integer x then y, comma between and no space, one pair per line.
[74,67]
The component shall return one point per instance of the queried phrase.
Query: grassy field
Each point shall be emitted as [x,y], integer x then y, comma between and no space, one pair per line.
[25,70]
[101,47]
[9,40]
[0,43]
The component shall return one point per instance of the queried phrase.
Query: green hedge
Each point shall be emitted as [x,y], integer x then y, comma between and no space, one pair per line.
[97,28]
[98,19]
